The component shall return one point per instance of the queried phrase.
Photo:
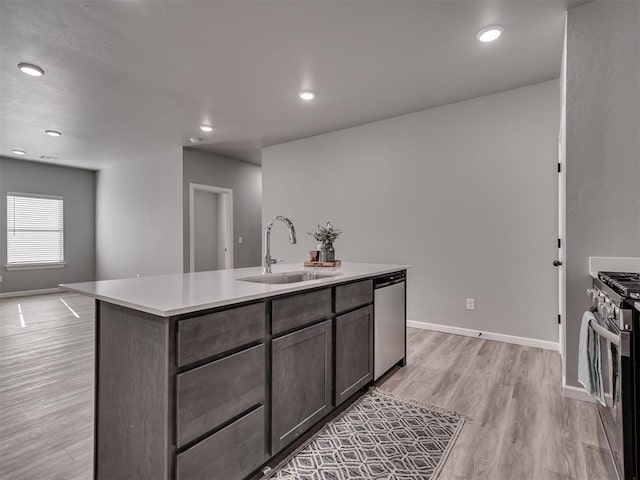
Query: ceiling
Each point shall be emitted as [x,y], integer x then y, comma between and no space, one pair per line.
[127,79]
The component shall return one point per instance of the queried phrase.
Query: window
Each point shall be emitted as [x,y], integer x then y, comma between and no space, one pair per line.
[34,231]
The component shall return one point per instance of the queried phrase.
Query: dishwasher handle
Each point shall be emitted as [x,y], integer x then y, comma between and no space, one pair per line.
[389,279]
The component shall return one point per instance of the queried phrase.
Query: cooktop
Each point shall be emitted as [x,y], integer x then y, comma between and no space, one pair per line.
[626,284]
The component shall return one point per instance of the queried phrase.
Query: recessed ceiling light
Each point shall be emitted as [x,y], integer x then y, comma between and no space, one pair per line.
[206,128]
[48,157]
[490,34]
[195,140]
[18,152]
[53,133]
[30,69]
[307,95]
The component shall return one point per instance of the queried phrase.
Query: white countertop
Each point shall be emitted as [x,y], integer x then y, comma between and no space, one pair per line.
[168,295]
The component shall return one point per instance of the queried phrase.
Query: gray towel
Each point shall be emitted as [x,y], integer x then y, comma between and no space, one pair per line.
[589,359]
[584,365]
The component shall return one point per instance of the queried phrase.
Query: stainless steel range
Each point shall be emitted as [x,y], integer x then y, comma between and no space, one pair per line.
[615,303]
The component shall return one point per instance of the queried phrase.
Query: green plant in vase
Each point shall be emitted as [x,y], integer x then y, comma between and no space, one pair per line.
[326,235]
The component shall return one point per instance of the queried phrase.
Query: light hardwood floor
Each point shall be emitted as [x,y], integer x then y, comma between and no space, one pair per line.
[521,426]
[46,388]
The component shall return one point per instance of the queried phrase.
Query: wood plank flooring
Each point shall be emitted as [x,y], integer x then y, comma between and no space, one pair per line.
[521,426]
[46,387]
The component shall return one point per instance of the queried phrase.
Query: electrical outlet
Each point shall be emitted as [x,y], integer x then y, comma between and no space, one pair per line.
[471,303]
[240,240]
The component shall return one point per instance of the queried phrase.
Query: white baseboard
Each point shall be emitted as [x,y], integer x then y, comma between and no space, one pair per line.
[577,393]
[30,292]
[499,337]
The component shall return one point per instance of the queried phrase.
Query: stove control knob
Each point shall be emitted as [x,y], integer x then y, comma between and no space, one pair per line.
[606,310]
[603,307]
[593,294]
[610,312]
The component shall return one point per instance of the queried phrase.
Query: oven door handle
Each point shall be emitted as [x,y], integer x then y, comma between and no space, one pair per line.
[608,334]
[622,341]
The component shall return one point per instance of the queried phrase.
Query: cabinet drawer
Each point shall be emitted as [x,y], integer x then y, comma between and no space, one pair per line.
[230,454]
[207,335]
[299,310]
[214,393]
[353,295]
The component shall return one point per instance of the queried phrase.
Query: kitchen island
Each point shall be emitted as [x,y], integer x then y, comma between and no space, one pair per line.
[212,374]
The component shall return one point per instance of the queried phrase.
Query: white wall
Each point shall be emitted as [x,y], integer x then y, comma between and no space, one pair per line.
[465,193]
[139,217]
[245,179]
[603,147]
[77,187]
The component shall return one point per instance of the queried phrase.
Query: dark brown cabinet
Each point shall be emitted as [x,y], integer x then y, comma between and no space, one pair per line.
[230,454]
[301,382]
[354,352]
[296,311]
[352,295]
[210,395]
[217,393]
[215,333]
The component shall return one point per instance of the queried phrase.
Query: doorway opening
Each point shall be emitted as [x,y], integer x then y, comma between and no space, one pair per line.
[210,228]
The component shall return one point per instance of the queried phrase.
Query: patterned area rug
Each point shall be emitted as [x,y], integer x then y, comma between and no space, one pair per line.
[378,437]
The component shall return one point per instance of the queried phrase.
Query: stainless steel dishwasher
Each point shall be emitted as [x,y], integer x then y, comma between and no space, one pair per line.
[390,324]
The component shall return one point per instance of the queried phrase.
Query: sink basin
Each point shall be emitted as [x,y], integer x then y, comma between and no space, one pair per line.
[288,277]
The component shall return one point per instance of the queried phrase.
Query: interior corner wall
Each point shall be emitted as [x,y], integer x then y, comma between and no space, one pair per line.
[77,187]
[139,217]
[465,193]
[603,148]
[245,179]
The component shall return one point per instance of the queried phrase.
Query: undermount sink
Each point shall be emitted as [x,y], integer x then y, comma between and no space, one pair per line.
[288,277]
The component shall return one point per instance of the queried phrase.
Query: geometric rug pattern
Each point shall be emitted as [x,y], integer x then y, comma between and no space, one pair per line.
[378,437]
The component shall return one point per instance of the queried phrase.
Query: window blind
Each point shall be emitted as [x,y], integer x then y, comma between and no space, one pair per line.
[34,229]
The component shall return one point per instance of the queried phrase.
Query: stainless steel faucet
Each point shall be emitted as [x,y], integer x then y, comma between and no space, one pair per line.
[267,261]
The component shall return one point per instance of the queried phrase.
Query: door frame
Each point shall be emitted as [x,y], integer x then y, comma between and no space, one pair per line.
[562,210]
[562,202]
[226,194]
